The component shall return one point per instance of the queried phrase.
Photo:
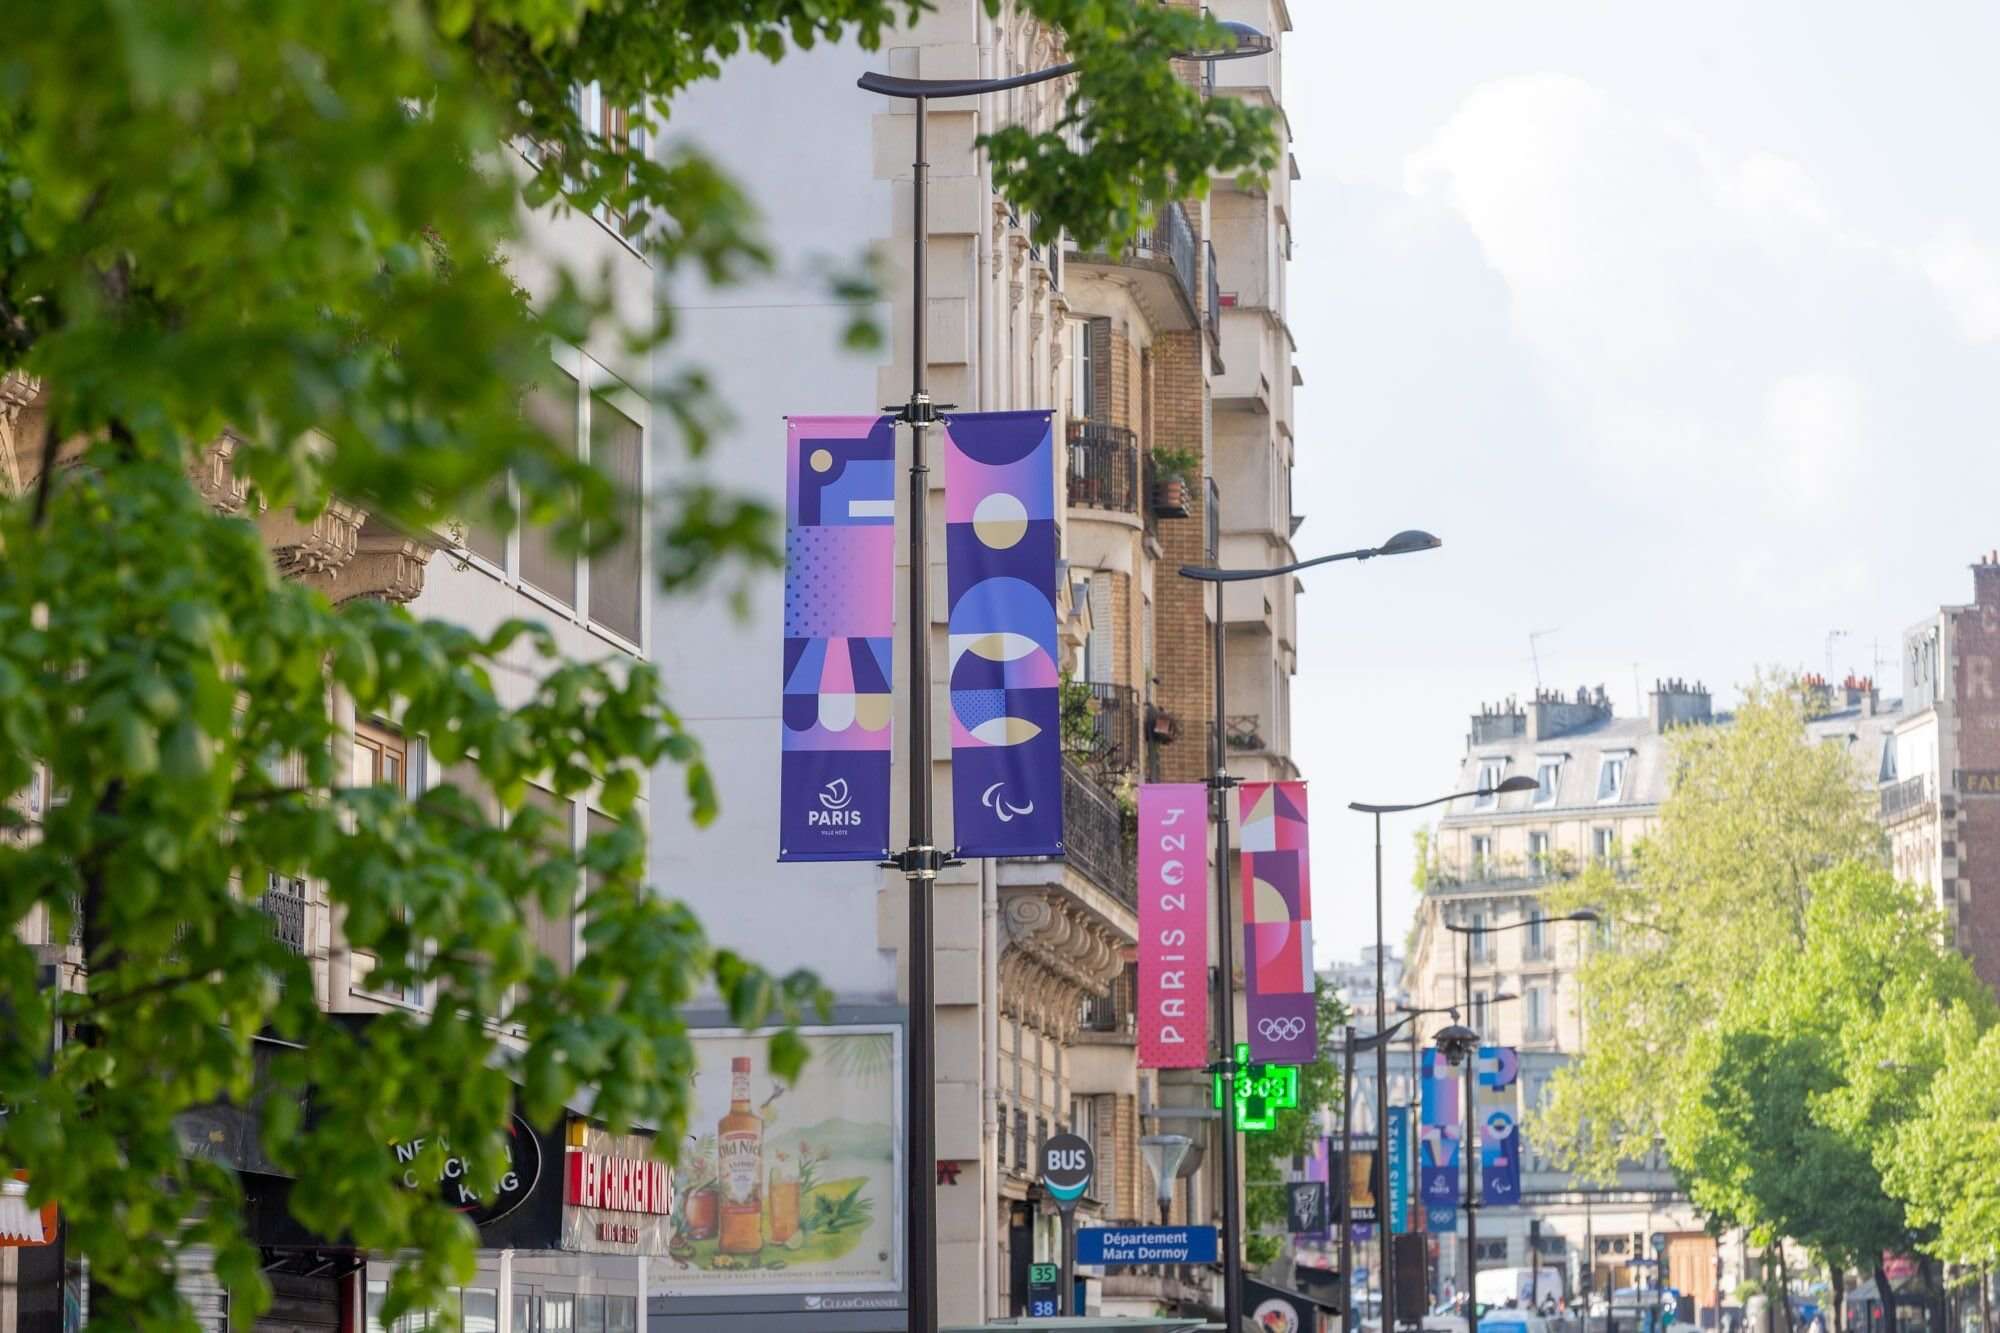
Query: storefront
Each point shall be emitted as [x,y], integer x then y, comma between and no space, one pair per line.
[565,1247]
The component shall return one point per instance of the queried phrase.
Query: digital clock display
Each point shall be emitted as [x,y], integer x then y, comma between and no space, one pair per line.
[1261,1092]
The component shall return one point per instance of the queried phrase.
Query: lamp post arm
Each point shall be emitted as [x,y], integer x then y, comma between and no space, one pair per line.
[1209,574]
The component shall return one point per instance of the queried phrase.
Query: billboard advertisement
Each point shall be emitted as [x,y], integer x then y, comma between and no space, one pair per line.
[788,1196]
[617,1197]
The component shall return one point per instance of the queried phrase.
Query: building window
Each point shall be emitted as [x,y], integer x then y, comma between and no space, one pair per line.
[1479,999]
[1887,771]
[1482,854]
[1083,372]
[381,759]
[1476,933]
[606,587]
[1020,1140]
[617,579]
[1493,1251]
[1611,776]
[554,406]
[554,933]
[1537,935]
[1489,779]
[1538,852]
[1548,773]
[1603,846]
[1536,1000]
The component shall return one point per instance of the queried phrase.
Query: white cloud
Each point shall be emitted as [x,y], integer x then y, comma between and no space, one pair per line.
[1967,277]
[1705,319]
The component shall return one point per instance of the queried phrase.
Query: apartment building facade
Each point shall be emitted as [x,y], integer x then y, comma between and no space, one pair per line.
[596,399]
[1599,784]
[1034,1012]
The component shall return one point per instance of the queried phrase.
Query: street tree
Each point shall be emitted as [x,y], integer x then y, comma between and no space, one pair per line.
[1939,1160]
[1754,810]
[254,260]
[1790,1105]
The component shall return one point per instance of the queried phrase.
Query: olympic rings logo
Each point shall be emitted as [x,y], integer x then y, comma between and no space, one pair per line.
[1281,1029]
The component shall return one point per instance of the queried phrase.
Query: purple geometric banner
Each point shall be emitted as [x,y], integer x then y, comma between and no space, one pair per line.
[1002,655]
[1493,1101]
[1277,924]
[1438,1135]
[840,570]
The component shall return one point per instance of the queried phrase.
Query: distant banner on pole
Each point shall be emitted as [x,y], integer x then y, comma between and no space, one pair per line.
[1173,925]
[1399,1169]
[1002,659]
[1493,1101]
[1358,1174]
[840,571]
[1277,924]
[1438,1134]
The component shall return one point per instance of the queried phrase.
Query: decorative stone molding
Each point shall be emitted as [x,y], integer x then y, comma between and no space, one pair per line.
[215,476]
[1056,955]
[387,565]
[303,548]
[17,393]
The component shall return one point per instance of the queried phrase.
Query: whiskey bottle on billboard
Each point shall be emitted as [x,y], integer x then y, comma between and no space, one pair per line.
[739,1147]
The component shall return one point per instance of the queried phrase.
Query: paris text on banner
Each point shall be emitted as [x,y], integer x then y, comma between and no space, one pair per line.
[1173,925]
[1438,1134]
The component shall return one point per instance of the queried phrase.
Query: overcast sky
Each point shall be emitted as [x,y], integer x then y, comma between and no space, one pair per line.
[1679,323]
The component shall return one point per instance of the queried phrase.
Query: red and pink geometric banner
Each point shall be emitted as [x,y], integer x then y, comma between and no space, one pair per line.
[1173,925]
[1277,924]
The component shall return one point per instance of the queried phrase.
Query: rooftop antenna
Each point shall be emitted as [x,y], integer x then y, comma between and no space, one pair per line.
[1638,695]
[1535,652]
[1832,636]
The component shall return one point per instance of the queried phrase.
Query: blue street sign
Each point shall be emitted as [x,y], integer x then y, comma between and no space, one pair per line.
[1115,1247]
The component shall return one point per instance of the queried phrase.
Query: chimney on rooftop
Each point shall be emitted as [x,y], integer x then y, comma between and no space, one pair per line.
[1675,703]
[1555,715]
[1504,721]
[1986,580]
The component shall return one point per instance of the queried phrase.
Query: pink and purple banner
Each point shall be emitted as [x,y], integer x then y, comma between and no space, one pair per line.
[840,569]
[1000,572]
[1277,924]
[1173,925]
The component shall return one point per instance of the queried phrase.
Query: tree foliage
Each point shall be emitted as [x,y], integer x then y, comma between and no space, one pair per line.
[1754,810]
[1791,1104]
[1268,1156]
[271,239]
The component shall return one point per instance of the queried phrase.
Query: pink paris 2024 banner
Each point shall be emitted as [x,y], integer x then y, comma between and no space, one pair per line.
[1173,925]
[1277,924]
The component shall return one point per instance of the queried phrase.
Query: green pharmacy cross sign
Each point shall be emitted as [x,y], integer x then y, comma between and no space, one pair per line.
[1261,1092]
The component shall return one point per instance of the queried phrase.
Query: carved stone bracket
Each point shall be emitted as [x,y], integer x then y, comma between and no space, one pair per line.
[302,548]
[387,565]
[1055,956]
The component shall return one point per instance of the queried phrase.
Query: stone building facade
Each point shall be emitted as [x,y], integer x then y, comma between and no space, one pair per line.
[1034,975]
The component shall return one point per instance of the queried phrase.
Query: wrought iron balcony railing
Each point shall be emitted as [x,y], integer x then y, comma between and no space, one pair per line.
[1107,735]
[1104,467]
[1905,797]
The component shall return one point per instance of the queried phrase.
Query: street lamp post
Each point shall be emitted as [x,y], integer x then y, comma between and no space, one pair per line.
[921,859]
[1386,1259]
[1219,783]
[1468,1138]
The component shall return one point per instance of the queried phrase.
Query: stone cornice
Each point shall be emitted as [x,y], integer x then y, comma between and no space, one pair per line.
[387,565]
[1056,955]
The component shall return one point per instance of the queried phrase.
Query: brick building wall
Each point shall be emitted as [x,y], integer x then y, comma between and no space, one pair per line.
[1976,648]
[1182,652]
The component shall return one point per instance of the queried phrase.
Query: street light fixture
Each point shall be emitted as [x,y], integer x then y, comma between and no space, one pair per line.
[1459,1036]
[1396,545]
[1219,784]
[921,859]
[1164,1153]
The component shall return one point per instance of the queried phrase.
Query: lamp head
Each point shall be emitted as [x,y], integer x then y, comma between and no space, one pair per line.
[1249,41]
[1583,914]
[1163,1153]
[1456,1044]
[1410,539]
[1519,782]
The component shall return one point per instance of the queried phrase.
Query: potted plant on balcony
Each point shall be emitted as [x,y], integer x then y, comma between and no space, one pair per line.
[1173,469]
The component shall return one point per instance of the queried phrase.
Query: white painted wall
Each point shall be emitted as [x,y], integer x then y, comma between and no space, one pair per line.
[796,137]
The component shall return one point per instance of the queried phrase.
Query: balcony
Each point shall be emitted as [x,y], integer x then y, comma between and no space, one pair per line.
[1095,836]
[1164,259]
[1101,726]
[285,903]
[1246,731]
[1211,310]
[1905,799]
[1104,468]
